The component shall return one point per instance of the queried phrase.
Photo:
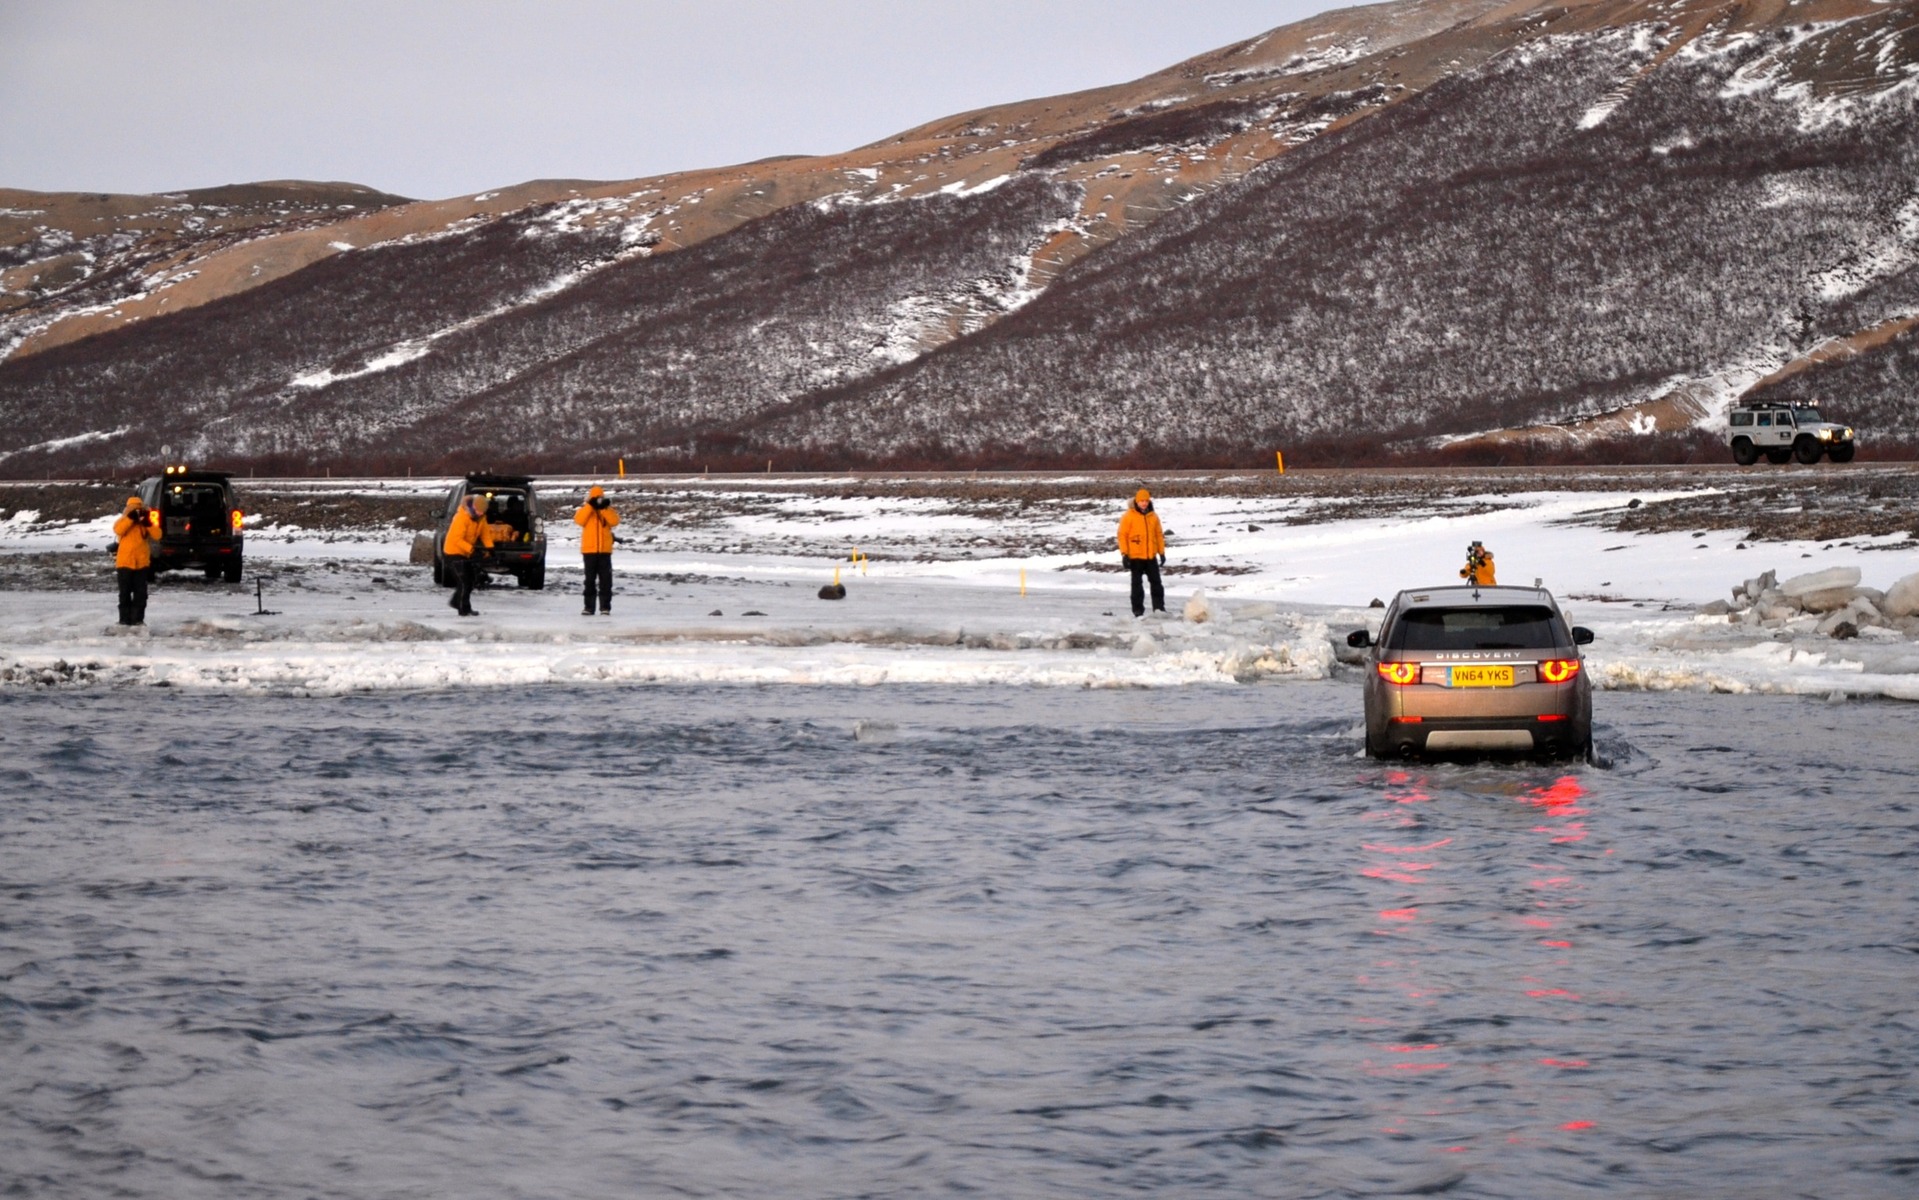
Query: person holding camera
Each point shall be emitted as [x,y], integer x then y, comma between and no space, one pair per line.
[1142,550]
[1478,570]
[133,560]
[596,519]
[466,535]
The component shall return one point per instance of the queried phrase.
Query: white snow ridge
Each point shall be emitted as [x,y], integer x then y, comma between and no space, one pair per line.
[730,599]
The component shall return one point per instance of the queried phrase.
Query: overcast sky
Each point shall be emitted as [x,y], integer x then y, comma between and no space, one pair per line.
[433,98]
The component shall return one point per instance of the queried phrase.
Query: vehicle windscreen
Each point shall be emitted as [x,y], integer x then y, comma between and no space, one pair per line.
[1806,415]
[510,507]
[1489,627]
[194,507]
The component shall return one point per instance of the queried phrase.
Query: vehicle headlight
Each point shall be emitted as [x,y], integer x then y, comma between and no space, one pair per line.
[1825,435]
[1847,435]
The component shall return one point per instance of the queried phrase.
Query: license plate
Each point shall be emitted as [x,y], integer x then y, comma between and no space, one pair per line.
[1479,677]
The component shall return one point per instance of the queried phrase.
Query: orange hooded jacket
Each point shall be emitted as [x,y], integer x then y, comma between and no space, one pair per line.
[1139,533]
[596,525]
[468,528]
[136,540]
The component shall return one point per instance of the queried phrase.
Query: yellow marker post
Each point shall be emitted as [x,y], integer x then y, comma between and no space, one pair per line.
[623,468]
[1279,460]
[836,576]
[1022,581]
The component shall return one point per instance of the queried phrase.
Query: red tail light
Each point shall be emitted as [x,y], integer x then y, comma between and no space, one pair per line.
[1399,672]
[236,520]
[1558,670]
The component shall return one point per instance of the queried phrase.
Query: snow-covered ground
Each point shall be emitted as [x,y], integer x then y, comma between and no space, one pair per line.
[733,598]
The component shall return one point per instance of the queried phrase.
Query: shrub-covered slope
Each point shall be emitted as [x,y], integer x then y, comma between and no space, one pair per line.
[1586,223]
[1434,222]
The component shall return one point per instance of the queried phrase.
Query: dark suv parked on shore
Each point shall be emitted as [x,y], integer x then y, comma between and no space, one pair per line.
[519,534]
[199,522]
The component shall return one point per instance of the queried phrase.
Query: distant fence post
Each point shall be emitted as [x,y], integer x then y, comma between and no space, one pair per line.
[1279,461]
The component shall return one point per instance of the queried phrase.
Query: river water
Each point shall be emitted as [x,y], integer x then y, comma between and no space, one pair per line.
[923,941]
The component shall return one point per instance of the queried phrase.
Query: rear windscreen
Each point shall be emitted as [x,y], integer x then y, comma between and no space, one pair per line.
[505,506]
[1493,627]
[209,498]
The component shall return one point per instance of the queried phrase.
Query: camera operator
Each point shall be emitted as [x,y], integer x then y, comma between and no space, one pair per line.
[133,560]
[596,519]
[1478,570]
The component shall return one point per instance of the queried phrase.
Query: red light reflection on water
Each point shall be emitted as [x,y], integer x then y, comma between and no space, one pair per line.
[1426,871]
[1397,873]
[1560,799]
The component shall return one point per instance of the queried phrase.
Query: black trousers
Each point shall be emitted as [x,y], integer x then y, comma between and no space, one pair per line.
[133,595]
[599,570]
[463,571]
[1147,568]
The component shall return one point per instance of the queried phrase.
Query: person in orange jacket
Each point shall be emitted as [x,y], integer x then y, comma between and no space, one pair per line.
[596,519]
[133,560]
[1478,570]
[466,535]
[1142,549]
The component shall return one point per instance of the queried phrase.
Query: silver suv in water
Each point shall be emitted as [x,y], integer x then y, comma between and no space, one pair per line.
[1781,431]
[1476,669]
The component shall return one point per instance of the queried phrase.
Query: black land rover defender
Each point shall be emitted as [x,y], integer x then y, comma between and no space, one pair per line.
[519,535]
[199,522]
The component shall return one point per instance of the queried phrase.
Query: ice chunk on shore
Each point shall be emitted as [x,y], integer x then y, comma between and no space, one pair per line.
[1822,591]
[1902,598]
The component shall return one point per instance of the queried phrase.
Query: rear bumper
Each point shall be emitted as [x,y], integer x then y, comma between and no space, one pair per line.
[208,552]
[510,560]
[1514,735]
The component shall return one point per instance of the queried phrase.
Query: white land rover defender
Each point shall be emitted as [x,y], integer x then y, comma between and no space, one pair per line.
[1780,430]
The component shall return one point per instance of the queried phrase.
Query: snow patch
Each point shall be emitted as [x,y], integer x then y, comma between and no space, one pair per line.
[394,356]
[66,443]
[962,189]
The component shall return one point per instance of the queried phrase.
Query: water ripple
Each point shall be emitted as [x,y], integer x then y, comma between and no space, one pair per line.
[909,941]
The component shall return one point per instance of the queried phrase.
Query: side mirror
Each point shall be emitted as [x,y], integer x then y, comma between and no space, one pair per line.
[1582,636]
[1359,638]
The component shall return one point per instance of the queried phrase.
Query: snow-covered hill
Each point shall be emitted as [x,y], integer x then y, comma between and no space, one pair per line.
[1384,229]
